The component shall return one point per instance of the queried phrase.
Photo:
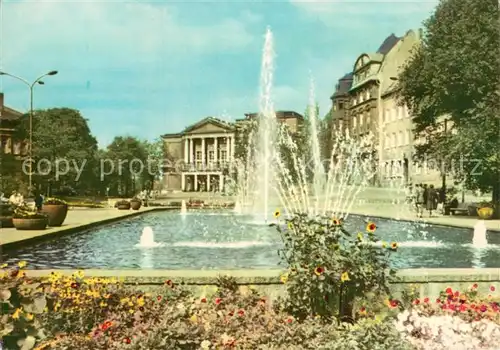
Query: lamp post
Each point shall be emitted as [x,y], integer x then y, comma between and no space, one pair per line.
[31,87]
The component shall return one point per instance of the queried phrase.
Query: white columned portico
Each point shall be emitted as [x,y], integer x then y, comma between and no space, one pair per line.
[191,151]
[186,152]
[203,161]
[208,182]
[183,182]
[216,146]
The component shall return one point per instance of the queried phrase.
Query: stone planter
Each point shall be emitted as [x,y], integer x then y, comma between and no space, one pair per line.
[123,206]
[6,221]
[30,224]
[485,213]
[56,213]
[135,204]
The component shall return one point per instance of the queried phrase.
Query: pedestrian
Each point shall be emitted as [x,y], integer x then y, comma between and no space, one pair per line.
[38,201]
[419,199]
[432,199]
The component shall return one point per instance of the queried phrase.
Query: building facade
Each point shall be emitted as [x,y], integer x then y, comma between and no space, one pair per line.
[366,102]
[9,121]
[202,156]
[199,158]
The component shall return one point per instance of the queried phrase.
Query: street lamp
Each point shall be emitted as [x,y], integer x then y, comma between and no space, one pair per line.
[31,87]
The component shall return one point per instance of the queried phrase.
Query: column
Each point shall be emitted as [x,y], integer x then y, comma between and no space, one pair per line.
[208,182]
[191,151]
[186,152]
[232,147]
[196,182]
[203,160]
[216,146]
[183,181]
[221,182]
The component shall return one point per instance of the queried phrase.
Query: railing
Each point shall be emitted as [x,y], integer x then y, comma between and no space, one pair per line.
[199,167]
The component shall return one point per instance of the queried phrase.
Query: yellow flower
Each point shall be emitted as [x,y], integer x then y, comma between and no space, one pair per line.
[277,213]
[140,302]
[4,266]
[131,311]
[29,317]
[17,314]
[360,236]
[394,246]
[284,278]
[194,318]
[371,227]
[344,277]
[80,274]
[21,264]
[290,226]
[384,244]
[103,304]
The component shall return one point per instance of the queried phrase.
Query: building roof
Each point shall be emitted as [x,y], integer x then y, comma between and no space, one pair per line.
[343,86]
[212,120]
[7,113]
[279,115]
[388,44]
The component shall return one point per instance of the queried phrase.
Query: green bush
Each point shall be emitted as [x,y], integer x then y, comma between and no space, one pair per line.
[329,268]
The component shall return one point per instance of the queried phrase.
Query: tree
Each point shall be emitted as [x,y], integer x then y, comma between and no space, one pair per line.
[64,150]
[155,156]
[124,165]
[455,73]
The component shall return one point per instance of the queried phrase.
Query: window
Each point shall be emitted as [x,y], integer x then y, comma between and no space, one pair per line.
[354,122]
[360,96]
[369,120]
[334,107]
[367,95]
[198,155]
[211,156]
[341,105]
[400,138]
[223,155]
[401,112]
[361,120]
[393,141]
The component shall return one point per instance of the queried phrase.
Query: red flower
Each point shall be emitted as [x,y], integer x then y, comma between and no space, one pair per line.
[289,320]
[449,291]
[319,270]
[474,286]
[456,294]
[483,308]
[74,285]
[158,298]
[203,300]
[127,340]
[169,283]
[241,312]
[438,301]
[218,301]
[106,325]
[393,303]
[492,288]
[416,301]
[463,308]
[426,300]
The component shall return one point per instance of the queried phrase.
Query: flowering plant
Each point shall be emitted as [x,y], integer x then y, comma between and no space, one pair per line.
[26,213]
[54,201]
[328,267]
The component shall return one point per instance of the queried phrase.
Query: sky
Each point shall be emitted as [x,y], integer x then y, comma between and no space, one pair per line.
[146,68]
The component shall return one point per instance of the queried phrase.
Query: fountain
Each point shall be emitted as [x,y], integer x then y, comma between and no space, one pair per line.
[479,239]
[183,207]
[147,239]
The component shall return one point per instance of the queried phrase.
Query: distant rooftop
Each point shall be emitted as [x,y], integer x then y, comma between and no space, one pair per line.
[388,44]
[343,86]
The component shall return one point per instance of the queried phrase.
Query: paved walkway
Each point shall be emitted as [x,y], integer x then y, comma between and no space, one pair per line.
[404,212]
[78,219]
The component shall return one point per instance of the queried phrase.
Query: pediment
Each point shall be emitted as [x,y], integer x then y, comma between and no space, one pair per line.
[208,125]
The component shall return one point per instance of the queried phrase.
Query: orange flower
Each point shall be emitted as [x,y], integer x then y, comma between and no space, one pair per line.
[319,270]
[362,310]
[336,222]
[106,325]
[394,246]
[371,227]
[203,300]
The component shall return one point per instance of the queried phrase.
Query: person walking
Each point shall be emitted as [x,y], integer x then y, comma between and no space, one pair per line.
[419,199]
[38,201]
[432,199]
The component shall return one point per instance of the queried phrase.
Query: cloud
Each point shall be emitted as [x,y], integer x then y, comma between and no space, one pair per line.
[358,14]
[123,32]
